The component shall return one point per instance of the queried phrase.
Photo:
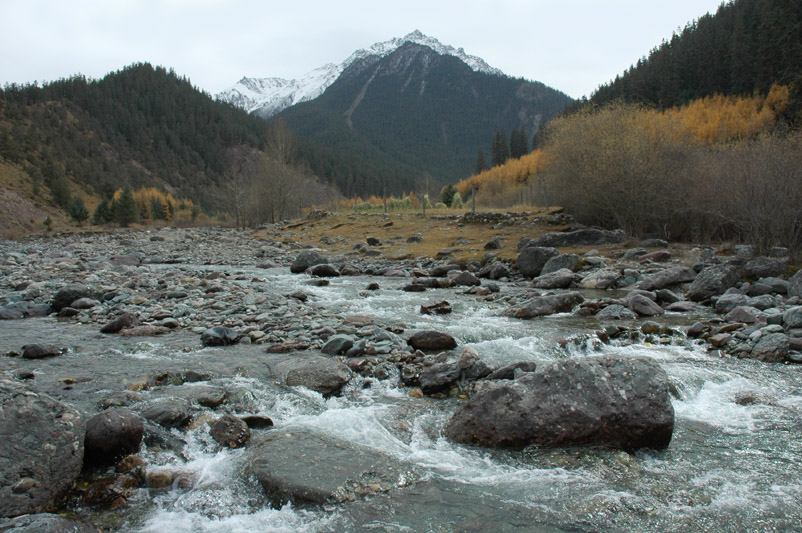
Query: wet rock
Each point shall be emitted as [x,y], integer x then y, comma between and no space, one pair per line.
[112,434]
[46,523]
[321,374]
[495,270]
[561,279]
[696,330]
[414,287]
[509,371]
[305,260]
[12,312]
[681,307]
[41,351]
[257,421]
[763,267]
[148,330]
[719,340]
[324,271]
[172,413]
[713,281]
[43,450]
[546,305]
[430,340]
[468,358]
[616,312]
[435,307]
[219,336]
[465,278]
[110,492]
[439,377]
[304,468]
[589,401]
[230,432]
[643,306]
[667,278]
[337,345]
[532,259]
[771,348]
[125,320]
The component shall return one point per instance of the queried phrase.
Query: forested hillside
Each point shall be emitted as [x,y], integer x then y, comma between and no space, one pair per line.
[140,126]
[746,47]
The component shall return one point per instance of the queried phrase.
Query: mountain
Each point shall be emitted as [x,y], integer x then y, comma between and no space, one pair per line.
[268,96]
[744,48]
[392,118]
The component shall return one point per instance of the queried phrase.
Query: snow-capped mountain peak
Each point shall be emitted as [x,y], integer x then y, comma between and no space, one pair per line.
[268,96]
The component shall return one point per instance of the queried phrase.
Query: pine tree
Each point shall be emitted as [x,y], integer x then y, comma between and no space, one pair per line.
[126,211]
[78,211]
[519,146]
[103,213]
[501,149]
[481,164]
[447,196]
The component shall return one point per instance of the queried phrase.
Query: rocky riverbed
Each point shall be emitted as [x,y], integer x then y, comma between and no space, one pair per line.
[210,380]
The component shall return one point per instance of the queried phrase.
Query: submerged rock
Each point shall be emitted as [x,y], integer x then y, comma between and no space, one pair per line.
[230,431]
[590,401]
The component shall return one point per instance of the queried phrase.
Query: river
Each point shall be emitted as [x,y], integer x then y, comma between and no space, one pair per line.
[734,463]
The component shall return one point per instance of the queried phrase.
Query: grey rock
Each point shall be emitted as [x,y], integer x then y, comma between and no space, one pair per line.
[112,434]
[322,374]
[730,300]
[616,312]
[763,267]
[173,413]
[769,286]
[219,336]
[600,279]
[337,345]
[465,278]
[41,351]
[561,279]
[643,306]
[43,450]
[585,236]
[439,377]
[771,348]
[743,314]
[324,271]
[230,432]
[667,278]
[124,321]
[795,284]
[495,270]
[792,318]
[509,371]
[712,281]
[560,262]
[546,305]
[531,260]
[596,401]
[436,307]
[66,295]
[305,260]
[430,340]
[46,523]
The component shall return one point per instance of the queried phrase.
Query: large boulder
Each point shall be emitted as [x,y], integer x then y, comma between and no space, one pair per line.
[439,377]
[112,434]
[560,262]
[712,281]
[123,321]
[66,295]
[771,348]
[170,413]
[532,259]
[604,401]
[560,279]
[45,523]
[763,267]
[600,279]
[643,306]
[546,305]
[306,259]
[219,336]
[795,284]
[667,278]
[322,374]
[305,468]
[42,450]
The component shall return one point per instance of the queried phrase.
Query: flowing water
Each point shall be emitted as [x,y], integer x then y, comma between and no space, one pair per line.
[731,466]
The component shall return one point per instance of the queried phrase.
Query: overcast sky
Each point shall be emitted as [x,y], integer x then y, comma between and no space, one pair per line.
[571,45]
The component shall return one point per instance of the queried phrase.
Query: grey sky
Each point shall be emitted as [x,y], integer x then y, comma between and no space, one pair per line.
[571,45]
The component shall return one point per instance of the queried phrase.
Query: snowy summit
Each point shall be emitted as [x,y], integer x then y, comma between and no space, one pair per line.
[268,96]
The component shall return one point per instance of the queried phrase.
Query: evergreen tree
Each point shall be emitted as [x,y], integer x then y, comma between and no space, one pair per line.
[103,213]
[519,146]
[481,164]
[501,149]
[125,210]
[78,211]
[60,192]
[447,195]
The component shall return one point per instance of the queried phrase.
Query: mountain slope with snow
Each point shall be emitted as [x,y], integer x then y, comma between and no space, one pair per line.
[268,96]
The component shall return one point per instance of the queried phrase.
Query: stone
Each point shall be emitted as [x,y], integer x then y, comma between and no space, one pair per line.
[771,348]
[719,339]
[230,432]
[600,279]
[667,278]
[545,305]
[468,358]
[172,413]
[41,351]
[257,421]
[84,303]
[219,336]
[763,267]
[616,312]
[430,340]
[795,284]
[792,318]
[46,523]
[439,377]
[111,435]
[611,402]
[125,320]
[303,468]
[435,307]
[560,279]
[493,244]
[495,270]
[305,260]
[730,300]
[321,374]
[66,295]
[466,278]
[337,345]
[769,286]
[643,306]
[43,450]
[531,260]
[585,236]
[324,270]
[660,256]
[559,262]
[713,281]
[744,314]
[509,371]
